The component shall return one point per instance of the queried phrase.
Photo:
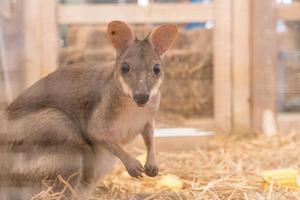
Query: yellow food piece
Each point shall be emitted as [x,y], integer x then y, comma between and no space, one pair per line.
[288,178]
[169,181]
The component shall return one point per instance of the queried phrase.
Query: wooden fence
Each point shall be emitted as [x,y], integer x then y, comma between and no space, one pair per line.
[244,47]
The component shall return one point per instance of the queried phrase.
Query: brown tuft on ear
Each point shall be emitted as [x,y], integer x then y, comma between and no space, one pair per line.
[163,37]
[120,34]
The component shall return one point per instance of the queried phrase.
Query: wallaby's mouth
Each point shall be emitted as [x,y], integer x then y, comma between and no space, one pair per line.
[141,105]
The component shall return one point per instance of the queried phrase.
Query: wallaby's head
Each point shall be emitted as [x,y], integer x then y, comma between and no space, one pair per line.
[138,69]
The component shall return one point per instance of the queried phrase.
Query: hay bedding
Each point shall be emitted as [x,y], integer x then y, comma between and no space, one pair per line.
[228,168]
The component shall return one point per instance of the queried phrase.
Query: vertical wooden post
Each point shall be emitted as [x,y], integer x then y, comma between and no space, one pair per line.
[264,64]
[241,65]
[40,39]
[50,36]
[32,41]
[222,65]
[11,52]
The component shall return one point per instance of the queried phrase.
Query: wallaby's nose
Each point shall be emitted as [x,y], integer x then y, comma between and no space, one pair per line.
[141,98]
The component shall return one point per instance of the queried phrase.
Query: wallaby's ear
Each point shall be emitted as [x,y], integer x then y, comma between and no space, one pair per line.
[120,34]
[163,37]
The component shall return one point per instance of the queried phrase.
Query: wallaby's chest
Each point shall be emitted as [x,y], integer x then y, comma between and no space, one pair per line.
[130,123]
[122,120]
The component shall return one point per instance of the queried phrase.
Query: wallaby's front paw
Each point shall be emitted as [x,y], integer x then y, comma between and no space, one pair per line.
[151,169]
[134,168]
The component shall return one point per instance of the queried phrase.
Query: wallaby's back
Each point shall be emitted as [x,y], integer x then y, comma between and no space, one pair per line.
[73,90]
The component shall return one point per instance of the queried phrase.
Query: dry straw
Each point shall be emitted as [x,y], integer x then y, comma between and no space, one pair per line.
[229,167]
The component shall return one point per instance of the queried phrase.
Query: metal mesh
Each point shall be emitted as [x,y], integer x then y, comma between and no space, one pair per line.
[288,67]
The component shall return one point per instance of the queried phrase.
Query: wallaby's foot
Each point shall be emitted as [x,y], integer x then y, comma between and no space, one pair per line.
[151,168]
[134,168]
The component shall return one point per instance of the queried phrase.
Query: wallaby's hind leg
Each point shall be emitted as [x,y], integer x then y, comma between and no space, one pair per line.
[40,145]
[104,161]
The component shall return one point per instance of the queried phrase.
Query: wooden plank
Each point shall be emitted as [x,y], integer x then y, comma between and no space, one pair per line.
[50,37]
[289,122]
[222,65]
[289,117]
[241,65]
[207,124]
[168,144]
[32,41]
[264,66]
[289,12]
[154,13]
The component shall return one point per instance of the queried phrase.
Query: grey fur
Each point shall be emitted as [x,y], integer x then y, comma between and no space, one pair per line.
[73,123]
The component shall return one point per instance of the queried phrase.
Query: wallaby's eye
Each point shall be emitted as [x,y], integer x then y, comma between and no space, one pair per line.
[125,68]
[156,69]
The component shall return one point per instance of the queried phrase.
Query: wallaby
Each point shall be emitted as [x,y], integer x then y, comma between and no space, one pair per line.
[74,122]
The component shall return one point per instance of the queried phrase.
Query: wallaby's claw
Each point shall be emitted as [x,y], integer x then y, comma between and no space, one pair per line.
[151,169]
[135,169]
